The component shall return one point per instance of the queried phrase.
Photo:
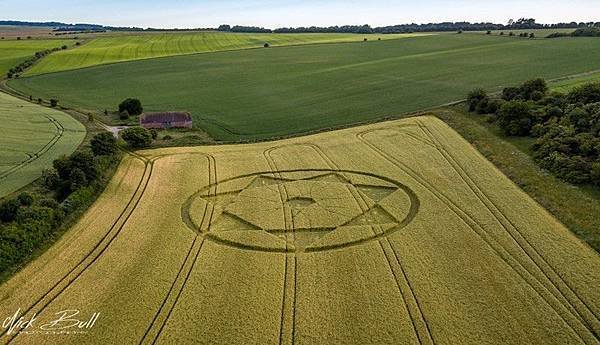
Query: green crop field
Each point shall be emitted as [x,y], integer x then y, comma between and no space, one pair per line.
[392,233]
[263,93]
[31,138]
[116,48]
[13,52]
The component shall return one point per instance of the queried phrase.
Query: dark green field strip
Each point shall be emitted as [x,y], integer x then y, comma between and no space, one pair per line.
[259,94]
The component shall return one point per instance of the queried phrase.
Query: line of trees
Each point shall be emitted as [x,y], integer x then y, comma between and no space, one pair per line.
[520,24]
[31,219]
[20,68]
[566,126]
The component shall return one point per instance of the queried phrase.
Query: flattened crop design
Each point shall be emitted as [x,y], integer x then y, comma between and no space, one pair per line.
[300,210]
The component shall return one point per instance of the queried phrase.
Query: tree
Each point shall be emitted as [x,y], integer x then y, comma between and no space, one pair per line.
[132,106]
[77,179]
[510,93]
[532,86]
[104,144]
[489,32]
[9,210]
[475,97]
[53,103]
[25,199]
[588,93]
[137,137]
[514,118]
[64,47]
[266,45]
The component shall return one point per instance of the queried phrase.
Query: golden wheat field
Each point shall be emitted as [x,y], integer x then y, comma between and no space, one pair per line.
[393,233]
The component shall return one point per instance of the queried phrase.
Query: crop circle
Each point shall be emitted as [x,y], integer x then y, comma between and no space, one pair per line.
[300,210]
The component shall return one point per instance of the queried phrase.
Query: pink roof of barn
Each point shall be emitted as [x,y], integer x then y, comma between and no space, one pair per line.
[168,116]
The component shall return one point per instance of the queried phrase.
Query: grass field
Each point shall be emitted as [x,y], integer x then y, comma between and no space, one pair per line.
[394,233]
[264,93]
[116,48]
[568,84]
[31,138]
[13,52]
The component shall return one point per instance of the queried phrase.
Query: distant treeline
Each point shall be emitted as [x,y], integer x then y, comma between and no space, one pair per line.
[520,24]
[58,26]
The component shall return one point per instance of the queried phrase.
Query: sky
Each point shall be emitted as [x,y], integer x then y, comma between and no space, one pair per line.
[286,13]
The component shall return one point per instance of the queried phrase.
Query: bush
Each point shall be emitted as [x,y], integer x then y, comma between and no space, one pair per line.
[510,93]
[132,106]
[50,203]
[75,171]
[50,178]
[588,93]
[532,86]
[77,179]
[475,97]
[154,134]
[123,115]
[53,103]
[489,32]
[266,45]
[536,95]
[9,210]
[595,173]
[167,138]
[104,144]
[25,199]
[515,118]
[64,47]
[137,137]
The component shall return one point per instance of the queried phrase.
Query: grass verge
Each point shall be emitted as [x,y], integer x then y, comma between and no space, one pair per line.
[577,207]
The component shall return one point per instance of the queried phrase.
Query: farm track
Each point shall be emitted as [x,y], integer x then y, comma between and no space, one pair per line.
[563,290]
[287,333]
[32,157]
[571,320]
[98,250]
[420,326]
[154,330]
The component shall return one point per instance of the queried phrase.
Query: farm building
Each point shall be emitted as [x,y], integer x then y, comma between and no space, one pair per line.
[171,119]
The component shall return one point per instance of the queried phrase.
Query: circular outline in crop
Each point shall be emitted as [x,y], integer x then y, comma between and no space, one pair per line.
[412,213]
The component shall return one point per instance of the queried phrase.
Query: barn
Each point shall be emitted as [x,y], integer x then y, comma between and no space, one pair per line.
[163,120]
